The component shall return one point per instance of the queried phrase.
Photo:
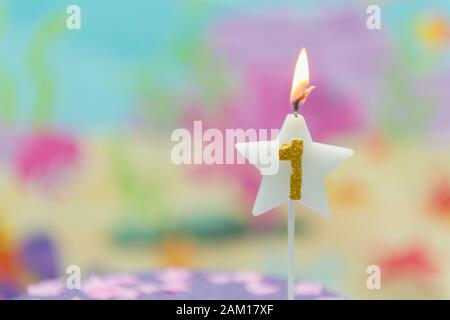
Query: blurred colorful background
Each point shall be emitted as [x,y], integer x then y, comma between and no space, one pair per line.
[86,118]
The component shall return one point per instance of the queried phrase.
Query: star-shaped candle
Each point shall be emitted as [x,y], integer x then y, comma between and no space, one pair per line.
[297,165]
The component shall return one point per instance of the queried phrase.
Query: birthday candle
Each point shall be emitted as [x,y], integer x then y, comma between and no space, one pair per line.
[301,179]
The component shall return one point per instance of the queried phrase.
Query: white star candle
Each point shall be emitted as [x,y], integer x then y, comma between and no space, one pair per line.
[301,163]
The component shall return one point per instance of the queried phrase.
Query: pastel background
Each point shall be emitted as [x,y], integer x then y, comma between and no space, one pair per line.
[86,117]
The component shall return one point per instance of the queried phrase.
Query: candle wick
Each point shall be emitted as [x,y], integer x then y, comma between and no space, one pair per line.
[302,99]
[295,105]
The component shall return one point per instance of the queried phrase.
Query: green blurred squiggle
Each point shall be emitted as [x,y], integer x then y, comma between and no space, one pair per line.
[7,101]
[142,195]
[39,69]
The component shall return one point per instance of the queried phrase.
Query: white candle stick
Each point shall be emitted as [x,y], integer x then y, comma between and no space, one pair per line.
[291,237]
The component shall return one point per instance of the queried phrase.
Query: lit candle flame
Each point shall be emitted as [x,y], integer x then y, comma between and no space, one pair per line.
[300,81]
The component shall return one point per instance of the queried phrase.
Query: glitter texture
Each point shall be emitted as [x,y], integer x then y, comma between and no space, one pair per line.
[293,152]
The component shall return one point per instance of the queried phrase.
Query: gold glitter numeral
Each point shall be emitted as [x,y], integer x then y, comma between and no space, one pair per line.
[293,152]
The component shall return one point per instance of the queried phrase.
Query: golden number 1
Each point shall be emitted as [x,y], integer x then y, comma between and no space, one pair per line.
[293,152]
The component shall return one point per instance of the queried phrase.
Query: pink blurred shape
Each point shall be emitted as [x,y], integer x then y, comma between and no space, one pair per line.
[343,69]
[247,277]
[174,275]
[253,281]
[412,262]
[175,287]
[260,288]
[148,288]
[439,199]
[112,287]
[235,277]
[220,278]
[45,154]
[121,280]
[175,280]
[47,288]
[308,288]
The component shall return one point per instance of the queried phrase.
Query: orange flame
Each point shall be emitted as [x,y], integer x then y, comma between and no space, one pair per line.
[300,80]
